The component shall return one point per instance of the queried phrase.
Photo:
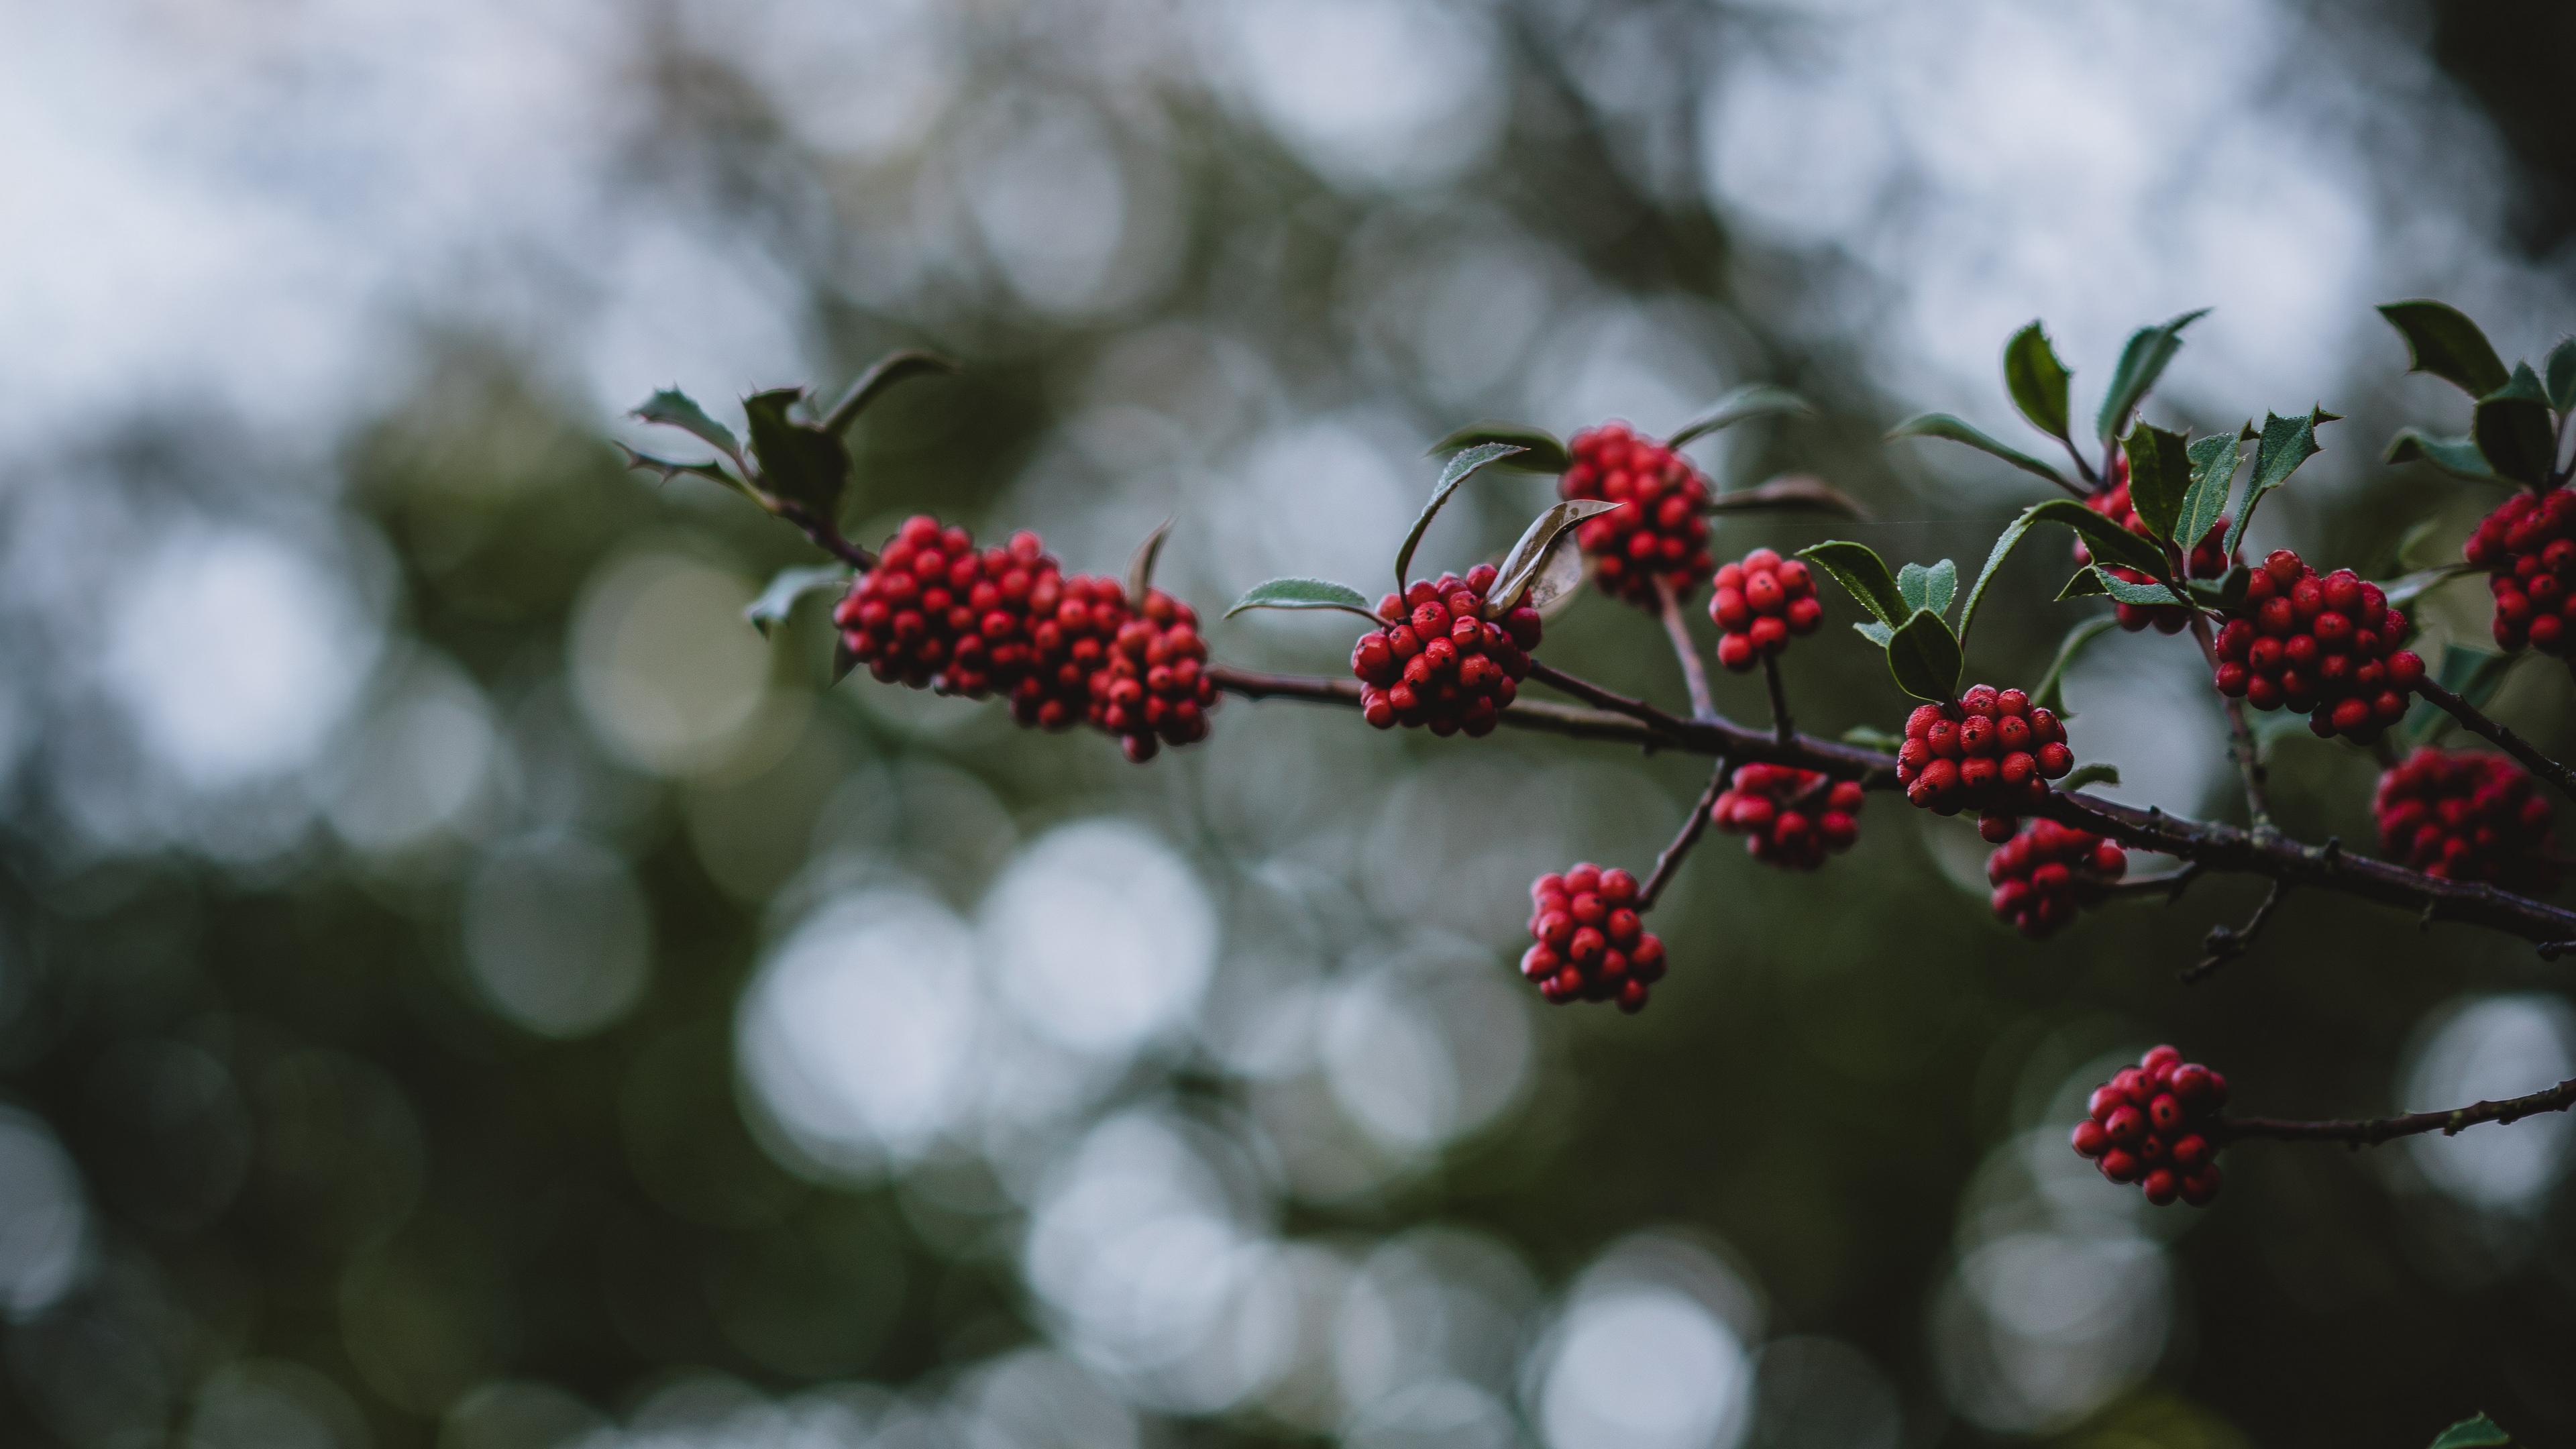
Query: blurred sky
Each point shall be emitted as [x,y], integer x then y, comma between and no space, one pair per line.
[250,226]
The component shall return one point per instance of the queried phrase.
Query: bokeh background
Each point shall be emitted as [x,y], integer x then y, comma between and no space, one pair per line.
[460,986]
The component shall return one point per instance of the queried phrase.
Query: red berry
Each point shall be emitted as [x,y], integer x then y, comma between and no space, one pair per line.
[1789,817]
[1587,943]
[1657,535]
[2323,646]
[2468,815]
[1440,664]
[2165,1148]
[2043,876]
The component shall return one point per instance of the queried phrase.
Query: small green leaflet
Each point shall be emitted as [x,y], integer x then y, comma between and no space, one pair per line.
[2086,584]
[1924,656]
[2558,373]
[798,461]
[2513,430]
[670,470]
[1305,594]
[1875,632]
[2403,592]
[2478,1433]
[2458,457]
[2093,774]
[2159,477]
[673,408]
[1931,588]
[1528,560]
[1753,400]
[874,383]
[2142,361]
[2286,443]
[2037,380]
[1859,569]
[1540,451]
[2108,541]
[2051,693]
[1958,430]
[787,586]
[2441,340]
[2213,473]
[1451,476]
[2154,596]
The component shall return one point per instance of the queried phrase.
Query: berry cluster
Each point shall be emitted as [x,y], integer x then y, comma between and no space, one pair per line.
[1076,620]
[2326,647]
[1155,689]
[2528,548]
[1993,752]
[2208,557]
[1587,943]
[1658,534]
[2149,1125]
[2044,875]
[936,614]
[1759,603]
[1789,817]
[1439,661]
[2467,816]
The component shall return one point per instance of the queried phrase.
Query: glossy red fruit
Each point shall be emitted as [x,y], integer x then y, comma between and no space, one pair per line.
[2468,815]
[1587,942]
[1439,662]
[1659,532]
[2152,1125]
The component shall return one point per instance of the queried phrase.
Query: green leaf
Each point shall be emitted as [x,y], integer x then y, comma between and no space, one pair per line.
[673,408]
[1924,656]
[873,384]
[2155,596]
[1859,569]
[1457,472]
[2093,774]
[843,661]
[2513,430]
[2213,473]
[1930,588]
[1540,451]
[1797,493]
[2086,584]
[2458,457]
[2403,592]
[2441,340]
[787,586]
[2159,476]
[1305,594]
[1140,564]
[2473,674]
[2108,541]
[2142,361]
[1870,737]
[670,470]
[1943,425]
[2286,443]
[1875,632]
[2221,593]
[2037,380]
[1526,565]
[1753,400]
[2478,1433]
[2052,685]
[798,461]
[2559,373]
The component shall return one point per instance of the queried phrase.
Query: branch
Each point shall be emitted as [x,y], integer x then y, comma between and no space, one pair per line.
[1781,728]
[1669,863]
[1694,670]
[2209,844]
[2372,1132]
[825,536]
[2225,945]
[2503,738]
[2240,741]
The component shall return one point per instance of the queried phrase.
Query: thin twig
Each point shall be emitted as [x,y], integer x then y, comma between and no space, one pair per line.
[2240,740]
[825,536]
[1781,728]
[2225,944]
[1595,695]
[1694,670]
[2373,1131]
[2497,734]
[1669,864]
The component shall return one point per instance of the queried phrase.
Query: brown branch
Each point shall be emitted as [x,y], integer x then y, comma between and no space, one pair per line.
[2209,844]
[1668,864]
[2225,944]
[1694,670]
[2373,1131]
[1594,695]
[2241,747]
[2503,738]
[1781,728]
[825,536]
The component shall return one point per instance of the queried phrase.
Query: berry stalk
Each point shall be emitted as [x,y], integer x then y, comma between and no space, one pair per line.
[1694,673]
[2371,1132]
[2498,735]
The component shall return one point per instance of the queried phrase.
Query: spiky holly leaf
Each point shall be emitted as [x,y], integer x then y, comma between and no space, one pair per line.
[2142,361]
[1959,430]
[2441,340]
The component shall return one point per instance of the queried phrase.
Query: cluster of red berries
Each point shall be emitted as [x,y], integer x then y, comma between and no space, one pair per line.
[1587,943]
[2528,548]
[2150,1125]
[1659,532]
[936,613]
[1439,661]
[1993,752]
[2326,647]
[2208,558]
[2467,816]
[1759,603]
[2044,875]
[1789,817]
[1155,689]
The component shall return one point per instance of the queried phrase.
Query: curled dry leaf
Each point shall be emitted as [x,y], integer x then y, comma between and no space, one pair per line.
[1521,567]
